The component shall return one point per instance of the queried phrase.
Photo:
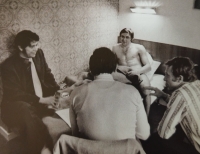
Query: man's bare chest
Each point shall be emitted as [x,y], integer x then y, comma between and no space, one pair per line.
[128,55]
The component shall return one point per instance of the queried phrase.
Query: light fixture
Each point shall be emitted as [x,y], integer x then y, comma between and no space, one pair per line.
[145,6]
[145,10]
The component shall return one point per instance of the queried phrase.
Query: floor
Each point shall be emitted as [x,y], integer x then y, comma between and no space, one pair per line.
[14,146]
[3,146]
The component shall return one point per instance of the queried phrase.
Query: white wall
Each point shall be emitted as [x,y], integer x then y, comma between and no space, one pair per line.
[176,23]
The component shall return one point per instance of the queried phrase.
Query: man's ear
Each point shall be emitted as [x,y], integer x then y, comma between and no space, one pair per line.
[180,78]
[20,48]
[132,39]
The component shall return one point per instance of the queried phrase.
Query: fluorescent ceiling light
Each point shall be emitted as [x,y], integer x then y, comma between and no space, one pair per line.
[145,10]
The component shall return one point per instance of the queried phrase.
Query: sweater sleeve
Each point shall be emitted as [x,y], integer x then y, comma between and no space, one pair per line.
[142,125]
[77,99]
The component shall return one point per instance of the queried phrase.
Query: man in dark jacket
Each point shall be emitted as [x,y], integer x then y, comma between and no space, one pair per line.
[28,89]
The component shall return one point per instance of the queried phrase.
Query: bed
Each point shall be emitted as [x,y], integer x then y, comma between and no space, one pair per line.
[158,54]
[161,52]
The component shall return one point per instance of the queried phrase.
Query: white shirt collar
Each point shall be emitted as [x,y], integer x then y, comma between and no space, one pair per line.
[104,77]
[30,59]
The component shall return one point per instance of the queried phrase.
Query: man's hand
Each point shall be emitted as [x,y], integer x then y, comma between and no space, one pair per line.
[79,83]
[61,102]
[135,72]
[47,100]
[157,92]
[123,69]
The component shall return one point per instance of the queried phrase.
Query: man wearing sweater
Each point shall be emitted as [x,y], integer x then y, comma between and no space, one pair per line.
[105,109]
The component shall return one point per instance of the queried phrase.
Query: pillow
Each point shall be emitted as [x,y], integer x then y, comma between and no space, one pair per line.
[154,67]
[149,58]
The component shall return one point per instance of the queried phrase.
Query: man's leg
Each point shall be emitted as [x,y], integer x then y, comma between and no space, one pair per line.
[177,145]
[174,145]
[56,127]
[25,117]
[120,77]
[147,98]
[155,115]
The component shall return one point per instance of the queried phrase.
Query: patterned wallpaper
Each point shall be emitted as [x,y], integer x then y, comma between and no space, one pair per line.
[69,30]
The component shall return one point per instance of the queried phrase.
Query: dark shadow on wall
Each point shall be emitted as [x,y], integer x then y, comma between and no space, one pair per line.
[197,4]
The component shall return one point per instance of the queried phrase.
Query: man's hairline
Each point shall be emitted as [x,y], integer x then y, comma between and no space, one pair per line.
[29,44]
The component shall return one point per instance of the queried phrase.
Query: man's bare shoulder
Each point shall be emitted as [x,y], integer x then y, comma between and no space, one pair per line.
[117,48]
[138,47]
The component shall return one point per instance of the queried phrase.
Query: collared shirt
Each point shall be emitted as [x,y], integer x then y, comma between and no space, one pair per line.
[183,108]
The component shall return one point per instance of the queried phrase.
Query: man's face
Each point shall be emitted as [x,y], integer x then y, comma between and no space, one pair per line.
[125,39]
[31,50]
[171,81]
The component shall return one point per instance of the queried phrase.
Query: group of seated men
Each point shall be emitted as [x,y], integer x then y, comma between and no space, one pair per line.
[104,110]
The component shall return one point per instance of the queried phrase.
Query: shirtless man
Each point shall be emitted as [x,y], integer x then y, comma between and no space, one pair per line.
[132,60]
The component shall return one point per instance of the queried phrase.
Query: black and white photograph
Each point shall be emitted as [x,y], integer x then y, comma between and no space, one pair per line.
[99,77]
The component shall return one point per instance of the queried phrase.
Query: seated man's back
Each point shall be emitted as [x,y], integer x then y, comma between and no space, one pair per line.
[106,109]
[110,111]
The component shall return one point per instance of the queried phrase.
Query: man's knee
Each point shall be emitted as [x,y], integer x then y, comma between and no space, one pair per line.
[144,84]
[145,80]
[14,110]
[20,115]
[25,109]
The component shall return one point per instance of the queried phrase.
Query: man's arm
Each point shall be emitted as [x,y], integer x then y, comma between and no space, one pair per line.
[73,122]
[145,62]
[74,102]
[14,92]
[158,93]
[172,116]
[12,87]
[77,98]
[48,76]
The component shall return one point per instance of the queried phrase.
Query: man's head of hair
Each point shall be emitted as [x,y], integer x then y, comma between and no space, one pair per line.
[103,60]
[182,66]
[24,38]
[127,30]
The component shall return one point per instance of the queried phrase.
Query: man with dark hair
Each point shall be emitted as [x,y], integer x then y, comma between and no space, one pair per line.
[104,105]
[132,61]
[28,88]
[179,129]
[106,116]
